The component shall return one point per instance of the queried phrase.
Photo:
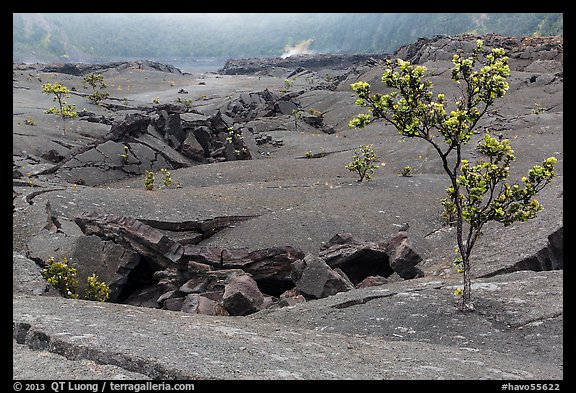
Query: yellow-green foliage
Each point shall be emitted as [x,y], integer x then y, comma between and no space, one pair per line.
[64,279]
[363,162]
[97,291]
[60,92]
[95,80]
[406,171]
[166,177]
[149,180]
[479,192]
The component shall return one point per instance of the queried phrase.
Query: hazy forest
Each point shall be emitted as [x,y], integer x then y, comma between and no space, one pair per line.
[100,37]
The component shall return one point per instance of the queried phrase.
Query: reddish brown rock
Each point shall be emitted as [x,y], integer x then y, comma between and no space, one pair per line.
[242,296]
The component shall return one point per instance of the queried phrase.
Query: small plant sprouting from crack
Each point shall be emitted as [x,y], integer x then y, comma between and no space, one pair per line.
[166,177]
[64,279]
[406,171]
[124,155]
[167,181]
[149,180]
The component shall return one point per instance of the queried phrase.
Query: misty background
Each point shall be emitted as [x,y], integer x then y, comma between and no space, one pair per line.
[203,41]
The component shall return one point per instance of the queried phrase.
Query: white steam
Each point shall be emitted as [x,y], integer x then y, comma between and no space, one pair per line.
[301,48]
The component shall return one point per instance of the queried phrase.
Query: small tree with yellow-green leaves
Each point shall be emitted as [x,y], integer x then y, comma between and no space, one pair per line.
[65,110]
[478,192]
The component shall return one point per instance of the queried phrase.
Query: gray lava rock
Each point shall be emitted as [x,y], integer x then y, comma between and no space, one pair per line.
[27,277]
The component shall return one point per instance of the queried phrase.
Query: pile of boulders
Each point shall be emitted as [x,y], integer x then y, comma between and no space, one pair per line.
[156,271]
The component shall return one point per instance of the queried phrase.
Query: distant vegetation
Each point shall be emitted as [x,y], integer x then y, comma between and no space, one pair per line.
[97,37]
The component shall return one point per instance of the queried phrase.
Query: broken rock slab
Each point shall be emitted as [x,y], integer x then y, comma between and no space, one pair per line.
[357,258]
[402,257]
[134,234]
[318,280]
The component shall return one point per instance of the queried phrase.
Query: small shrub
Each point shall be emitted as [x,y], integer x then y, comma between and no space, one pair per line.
[62,277]
[96,291]
[288,84]
[166,177]
[156,100]
[65,110]
[309,154]
[538,109]
[315,112]
[95,81]
[124,155]
[406,171]
[149,180]
[363,163]
[297,115]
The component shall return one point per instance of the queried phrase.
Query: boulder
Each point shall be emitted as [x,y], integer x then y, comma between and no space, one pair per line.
[242,296]
[196,284]
[132,123]
[402,257]
[290,298]
[318,280]
[111,262]
[173,304]
[267,263]
[192,148]
[198,304]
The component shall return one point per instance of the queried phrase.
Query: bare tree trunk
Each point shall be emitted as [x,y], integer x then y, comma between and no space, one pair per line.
[467,304]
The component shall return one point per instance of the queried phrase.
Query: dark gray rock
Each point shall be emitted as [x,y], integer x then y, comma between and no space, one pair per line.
[111,262]
[198,304]
[27,277]
[196,284]
[148,296]
[192,148]
[290,298]
[550,257]
[357,259]
[173,304]
[285,107]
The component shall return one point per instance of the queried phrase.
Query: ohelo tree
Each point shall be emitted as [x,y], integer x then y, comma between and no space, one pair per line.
[64,109]
[478,192]
[95,81]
